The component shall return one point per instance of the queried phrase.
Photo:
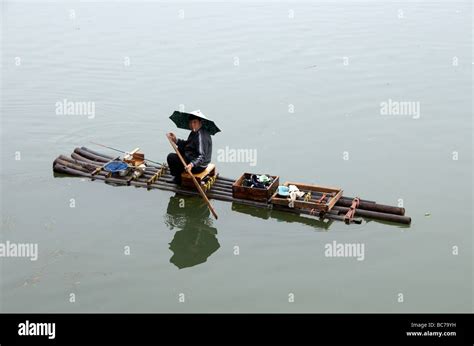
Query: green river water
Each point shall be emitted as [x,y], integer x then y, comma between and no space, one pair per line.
[301,84]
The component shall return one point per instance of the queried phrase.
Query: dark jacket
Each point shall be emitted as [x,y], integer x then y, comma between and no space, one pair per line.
[197,148]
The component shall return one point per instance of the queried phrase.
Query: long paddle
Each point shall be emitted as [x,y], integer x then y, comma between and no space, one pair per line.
[203,195]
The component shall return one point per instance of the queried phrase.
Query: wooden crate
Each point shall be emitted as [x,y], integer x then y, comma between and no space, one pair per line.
[332,196]
[251,193]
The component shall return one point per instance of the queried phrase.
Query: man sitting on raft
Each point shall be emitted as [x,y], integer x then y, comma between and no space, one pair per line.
[196,150]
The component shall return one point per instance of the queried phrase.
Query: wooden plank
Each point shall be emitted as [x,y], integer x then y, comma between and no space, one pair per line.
[324,206]
[334,200]
[299,204]
[314,187]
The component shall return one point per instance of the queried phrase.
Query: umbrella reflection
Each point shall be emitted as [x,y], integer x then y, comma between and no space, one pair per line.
[195,239]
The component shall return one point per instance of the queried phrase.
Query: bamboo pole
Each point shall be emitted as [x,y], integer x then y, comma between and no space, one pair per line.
[377,215]
[343,202]
[346,202]
[223,186]
[69,169]
[329,215]
[149,172]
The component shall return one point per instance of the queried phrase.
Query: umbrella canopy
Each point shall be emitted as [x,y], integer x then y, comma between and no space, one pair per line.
[181,119]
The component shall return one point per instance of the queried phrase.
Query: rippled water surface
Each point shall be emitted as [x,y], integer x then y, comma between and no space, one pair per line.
[302,83]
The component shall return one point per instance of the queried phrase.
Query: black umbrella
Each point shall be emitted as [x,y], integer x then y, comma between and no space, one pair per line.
[181,119]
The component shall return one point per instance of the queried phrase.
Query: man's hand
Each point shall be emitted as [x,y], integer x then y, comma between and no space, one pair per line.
[172,136]
[188,167]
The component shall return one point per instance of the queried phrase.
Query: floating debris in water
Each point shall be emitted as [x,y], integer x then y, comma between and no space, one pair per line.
[427,214]
[49,225]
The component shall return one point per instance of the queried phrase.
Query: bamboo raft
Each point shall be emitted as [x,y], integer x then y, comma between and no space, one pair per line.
[84,162]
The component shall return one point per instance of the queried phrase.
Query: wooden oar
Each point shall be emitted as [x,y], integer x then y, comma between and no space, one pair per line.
[203,195]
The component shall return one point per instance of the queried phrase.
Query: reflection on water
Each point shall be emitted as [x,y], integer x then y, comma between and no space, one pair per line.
[336,107]
[262,213]
[195,239]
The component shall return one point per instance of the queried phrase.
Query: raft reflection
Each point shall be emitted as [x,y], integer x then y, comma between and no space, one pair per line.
[266,214]
[196,239]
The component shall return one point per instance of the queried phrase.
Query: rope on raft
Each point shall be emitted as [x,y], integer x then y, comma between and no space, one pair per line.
[351,212]
[157,175]
[209,183]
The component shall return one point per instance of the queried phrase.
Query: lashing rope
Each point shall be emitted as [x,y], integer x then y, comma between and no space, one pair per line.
[157,175]
[323,197]
[209,183]
[351,212]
